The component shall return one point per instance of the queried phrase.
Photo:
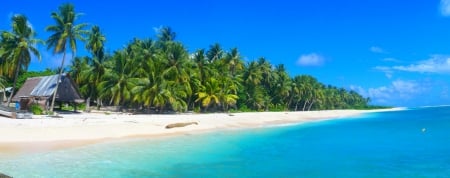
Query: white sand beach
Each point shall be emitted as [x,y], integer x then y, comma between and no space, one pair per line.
[43,132]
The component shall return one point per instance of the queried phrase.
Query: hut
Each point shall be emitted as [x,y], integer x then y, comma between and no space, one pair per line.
[40,90]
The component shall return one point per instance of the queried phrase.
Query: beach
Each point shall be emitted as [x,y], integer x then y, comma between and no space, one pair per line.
[73,129]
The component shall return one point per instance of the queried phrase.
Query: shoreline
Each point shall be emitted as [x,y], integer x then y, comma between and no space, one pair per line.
[72,130]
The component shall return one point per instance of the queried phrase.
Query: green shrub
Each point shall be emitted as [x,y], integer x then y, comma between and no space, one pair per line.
[36,109]
[197,109]
[69,107]
[50,113]
[81,106]
[244,108]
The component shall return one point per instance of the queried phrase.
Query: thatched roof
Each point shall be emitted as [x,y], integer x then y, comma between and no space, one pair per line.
[44,87]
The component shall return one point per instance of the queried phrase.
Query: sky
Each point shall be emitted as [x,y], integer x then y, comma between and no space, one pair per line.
[395,52]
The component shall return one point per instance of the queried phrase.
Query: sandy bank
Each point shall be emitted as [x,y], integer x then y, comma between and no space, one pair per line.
[85,128]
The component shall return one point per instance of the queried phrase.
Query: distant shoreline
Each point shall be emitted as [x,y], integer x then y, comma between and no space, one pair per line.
[44,134]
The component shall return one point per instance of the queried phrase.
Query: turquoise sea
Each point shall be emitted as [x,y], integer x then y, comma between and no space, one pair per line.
[409,143]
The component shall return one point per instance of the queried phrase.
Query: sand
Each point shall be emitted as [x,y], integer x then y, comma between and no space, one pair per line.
[43,133]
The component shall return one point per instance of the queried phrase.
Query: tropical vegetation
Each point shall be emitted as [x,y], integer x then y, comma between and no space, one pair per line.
[161,75]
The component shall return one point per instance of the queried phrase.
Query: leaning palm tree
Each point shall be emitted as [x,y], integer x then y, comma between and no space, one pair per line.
[17,48]
[65,34]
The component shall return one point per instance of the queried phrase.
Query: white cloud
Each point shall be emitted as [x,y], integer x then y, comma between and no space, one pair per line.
[398,90]
[312,59]
[376,49]
[386,70]
[445,7]
[391,60]
[436,64]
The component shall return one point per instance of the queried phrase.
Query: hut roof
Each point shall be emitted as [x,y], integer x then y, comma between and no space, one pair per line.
[44,87]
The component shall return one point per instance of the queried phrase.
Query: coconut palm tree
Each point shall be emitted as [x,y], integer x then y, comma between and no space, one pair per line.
[176,65]
[208,94]
[255,93]
[17,48]
[95,44]
[283,87]
[166,34]
[214,53]
[117,83]
[3,87]
[65,35]
[77,67]
[233,62]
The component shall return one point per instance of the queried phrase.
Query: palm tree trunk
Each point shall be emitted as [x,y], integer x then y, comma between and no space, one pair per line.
[304,105]
[88,102]
[288,104]
[99,103]
[14,85]
[4,95]
[310,105]
[57,81]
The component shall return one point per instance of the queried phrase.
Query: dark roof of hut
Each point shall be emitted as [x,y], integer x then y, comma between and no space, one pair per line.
[44,87]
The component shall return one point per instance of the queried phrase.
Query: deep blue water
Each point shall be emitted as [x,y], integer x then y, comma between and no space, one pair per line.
[409,143]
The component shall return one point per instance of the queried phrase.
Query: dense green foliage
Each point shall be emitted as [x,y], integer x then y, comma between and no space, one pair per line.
[158,75]
[16,49]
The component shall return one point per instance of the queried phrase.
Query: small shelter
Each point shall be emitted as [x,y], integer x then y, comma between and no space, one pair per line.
[40,90]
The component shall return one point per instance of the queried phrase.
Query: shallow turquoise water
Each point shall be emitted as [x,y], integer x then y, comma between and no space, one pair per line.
[389,144]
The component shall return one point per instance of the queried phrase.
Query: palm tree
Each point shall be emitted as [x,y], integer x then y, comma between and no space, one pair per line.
[166,34]
[208,94]
[65,33]
[176,65]
[214,53]
[297,92]
[233,61]
[95,44]
[202,65]
[228,93]
[255,93]
[3,87]
[117,83]
[283,87]
[17,48]
[77,67]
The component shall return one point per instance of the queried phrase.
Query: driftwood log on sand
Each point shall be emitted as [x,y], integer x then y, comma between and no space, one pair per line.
[183,124]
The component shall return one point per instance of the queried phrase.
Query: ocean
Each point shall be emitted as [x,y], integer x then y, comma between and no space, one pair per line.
[410,143]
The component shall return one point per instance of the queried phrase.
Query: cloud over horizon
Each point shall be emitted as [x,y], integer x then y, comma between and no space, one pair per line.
[311,59]
[398,90]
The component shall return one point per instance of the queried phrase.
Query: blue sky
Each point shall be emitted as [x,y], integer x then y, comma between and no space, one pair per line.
[395,52]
